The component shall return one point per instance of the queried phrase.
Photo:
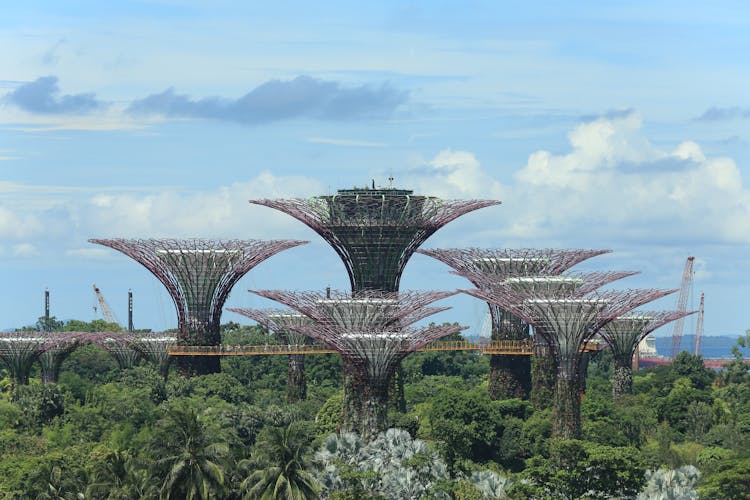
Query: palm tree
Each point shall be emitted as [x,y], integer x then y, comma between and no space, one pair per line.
[285,477]
[192,460]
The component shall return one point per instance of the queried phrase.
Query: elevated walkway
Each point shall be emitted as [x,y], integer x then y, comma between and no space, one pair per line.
[508,347]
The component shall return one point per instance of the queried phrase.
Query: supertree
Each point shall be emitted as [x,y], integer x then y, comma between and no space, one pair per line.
[375,231]
[511,375]
[567,319]
[119,345]
[198,274]
[623,334]
[371,332]
[154,348]
[296,384]
[19,351]
[56,348]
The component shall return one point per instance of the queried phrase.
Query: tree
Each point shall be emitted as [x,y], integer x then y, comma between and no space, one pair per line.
[730,481]
[284,477]
[692,367]
[189,455]
[671,484]
[578,469]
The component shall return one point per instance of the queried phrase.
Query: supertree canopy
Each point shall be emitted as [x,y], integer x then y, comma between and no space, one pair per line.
[154,348]
[511,375]
[198,275]
[567,319]
[19,351]
[371,332]
[375,231]
[57,347]
[623,334]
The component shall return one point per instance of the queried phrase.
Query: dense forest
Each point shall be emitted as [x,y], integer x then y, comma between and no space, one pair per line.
[105,432]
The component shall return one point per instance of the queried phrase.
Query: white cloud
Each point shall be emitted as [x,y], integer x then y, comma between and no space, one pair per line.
[613,186]
[224,212]
[454,174]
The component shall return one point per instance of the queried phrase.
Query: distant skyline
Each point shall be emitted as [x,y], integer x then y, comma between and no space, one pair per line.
[624,127]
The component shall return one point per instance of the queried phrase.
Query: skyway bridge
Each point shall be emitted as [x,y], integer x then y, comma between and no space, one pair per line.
[509,347]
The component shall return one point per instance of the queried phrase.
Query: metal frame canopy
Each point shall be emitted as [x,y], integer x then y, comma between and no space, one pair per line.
[198,274]
[624,333]
[370,329]
[375,231]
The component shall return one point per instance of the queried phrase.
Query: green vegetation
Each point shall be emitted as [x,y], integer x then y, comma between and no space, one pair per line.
[105,432]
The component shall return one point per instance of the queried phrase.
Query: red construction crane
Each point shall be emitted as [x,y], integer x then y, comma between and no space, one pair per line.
[687,280]
[699,328]
[104,307]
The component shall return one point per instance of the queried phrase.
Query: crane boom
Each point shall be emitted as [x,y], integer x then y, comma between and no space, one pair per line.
[687,279]
[699,328]
[104,307]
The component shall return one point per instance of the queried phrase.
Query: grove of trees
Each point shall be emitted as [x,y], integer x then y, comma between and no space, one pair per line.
[105,432]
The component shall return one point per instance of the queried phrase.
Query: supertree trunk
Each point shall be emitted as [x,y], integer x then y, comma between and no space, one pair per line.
[352,398]
[566,413]
[51,363]
[296,385]
[584,370]
[622,377]
[199,365]
[374,410]
[543,374]
[510,375]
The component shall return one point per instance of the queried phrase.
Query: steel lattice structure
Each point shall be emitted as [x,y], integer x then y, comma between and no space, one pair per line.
[198,274]
[623,334]
[19,351]
[375,231]
[154,348]
[511,375]
[56,348]
[371,332]
[296,384]
[567,319]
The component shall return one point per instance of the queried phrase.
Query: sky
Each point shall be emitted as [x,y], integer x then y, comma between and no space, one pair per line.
[622,126]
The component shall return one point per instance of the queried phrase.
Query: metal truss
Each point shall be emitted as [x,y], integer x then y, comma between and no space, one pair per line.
[375,232]
[624,333]
[363,310]
[374,351]
[198,274]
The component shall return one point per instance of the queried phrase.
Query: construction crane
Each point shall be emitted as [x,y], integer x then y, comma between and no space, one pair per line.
[104,307]
[687,281]
[699,328]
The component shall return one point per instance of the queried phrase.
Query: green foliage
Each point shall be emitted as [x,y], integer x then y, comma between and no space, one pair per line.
[577,469]
[328,419]
[729,480]
[281,454]
[39,403]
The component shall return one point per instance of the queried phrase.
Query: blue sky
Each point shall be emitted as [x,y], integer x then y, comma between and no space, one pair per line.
[601,126]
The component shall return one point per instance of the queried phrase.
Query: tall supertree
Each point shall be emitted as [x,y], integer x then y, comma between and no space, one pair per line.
[511,375]
[375,231]
[623,334]
[567,319]
[371,332]
[198,274]
[19,351]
